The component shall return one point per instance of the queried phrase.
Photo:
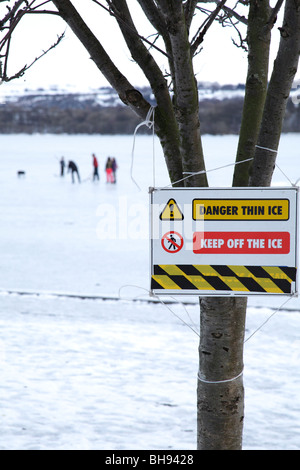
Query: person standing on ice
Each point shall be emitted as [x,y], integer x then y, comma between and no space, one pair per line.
[62,166]
[109,171]
[95,165]
[114,169]
[73,168]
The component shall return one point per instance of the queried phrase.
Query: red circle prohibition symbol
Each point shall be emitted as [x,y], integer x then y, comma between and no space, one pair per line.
[170,243]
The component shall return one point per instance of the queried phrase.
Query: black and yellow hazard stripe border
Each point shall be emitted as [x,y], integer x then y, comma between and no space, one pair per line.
[223,279]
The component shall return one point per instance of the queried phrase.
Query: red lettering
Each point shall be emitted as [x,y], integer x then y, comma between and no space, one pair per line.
[241,242]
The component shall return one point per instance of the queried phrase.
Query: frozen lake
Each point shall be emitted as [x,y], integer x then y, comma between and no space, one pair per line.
[116,374]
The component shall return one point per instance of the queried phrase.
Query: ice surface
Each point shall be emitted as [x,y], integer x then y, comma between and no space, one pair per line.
[116,374]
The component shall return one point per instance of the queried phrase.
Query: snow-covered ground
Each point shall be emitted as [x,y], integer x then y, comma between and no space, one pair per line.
[83,372]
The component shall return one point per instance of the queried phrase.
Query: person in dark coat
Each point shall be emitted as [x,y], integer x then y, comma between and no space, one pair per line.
[73,168]
[114,169]
[62,166]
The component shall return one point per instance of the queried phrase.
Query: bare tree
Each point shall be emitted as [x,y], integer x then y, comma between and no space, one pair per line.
[220,385]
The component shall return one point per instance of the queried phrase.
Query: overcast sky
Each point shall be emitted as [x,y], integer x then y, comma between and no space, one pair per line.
[69,64]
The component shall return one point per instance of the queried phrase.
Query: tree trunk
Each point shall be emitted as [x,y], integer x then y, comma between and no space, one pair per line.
[185,99]
[220,385]
[285,68]
[220,381]
[258,39]
[221,402]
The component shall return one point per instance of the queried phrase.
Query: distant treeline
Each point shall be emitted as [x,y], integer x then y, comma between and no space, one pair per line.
[79,116]
[15,119]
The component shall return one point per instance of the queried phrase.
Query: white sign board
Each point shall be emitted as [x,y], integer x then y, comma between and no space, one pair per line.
[235,241]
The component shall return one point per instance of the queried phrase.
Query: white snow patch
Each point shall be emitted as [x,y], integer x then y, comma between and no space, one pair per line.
[115,374]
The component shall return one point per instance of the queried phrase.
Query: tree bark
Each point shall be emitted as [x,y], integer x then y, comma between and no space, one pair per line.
[285,68]
[185,100]
[258,38]
[220,381]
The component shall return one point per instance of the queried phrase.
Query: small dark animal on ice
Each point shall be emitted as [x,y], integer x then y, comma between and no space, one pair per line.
[21,173]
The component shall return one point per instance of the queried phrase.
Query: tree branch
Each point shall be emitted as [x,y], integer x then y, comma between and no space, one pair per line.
[153,15]
[230,12]
[186,100]
[142,56]
[285,68]
[102,60]
[14,16]
[159,22]
[27,67]
[255,89]
[11,13]
[43,12]
[118,17]
[165,121]
[189,11]
[273,17]
[205,27]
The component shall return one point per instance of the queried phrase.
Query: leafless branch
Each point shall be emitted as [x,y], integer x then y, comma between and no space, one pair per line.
[154,15]
[198,39]
[24,69]
[114,14]
[11,13]
[242,41]
[273,17]
[231,12]
[189,10]
[9,23]
[37,9]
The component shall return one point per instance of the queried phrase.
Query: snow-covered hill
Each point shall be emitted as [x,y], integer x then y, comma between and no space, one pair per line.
[72,110]
[106,96]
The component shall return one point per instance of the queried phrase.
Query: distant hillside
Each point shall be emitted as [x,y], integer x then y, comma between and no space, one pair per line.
[101,112]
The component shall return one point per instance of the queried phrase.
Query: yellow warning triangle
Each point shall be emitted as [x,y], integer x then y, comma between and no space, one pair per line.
[171,211]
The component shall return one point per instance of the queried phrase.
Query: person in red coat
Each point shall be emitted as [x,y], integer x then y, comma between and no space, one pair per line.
[95,165]
[109,171]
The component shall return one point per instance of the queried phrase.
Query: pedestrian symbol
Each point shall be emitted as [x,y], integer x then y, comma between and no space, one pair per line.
[172,242]
[171,211]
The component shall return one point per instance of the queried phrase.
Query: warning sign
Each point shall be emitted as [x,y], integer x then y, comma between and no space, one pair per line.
[171,211]
[242,242]
[244,209]
[214,279]
[172,242]
[224,241]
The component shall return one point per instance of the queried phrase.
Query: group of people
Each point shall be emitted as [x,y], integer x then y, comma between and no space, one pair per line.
[110,169]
